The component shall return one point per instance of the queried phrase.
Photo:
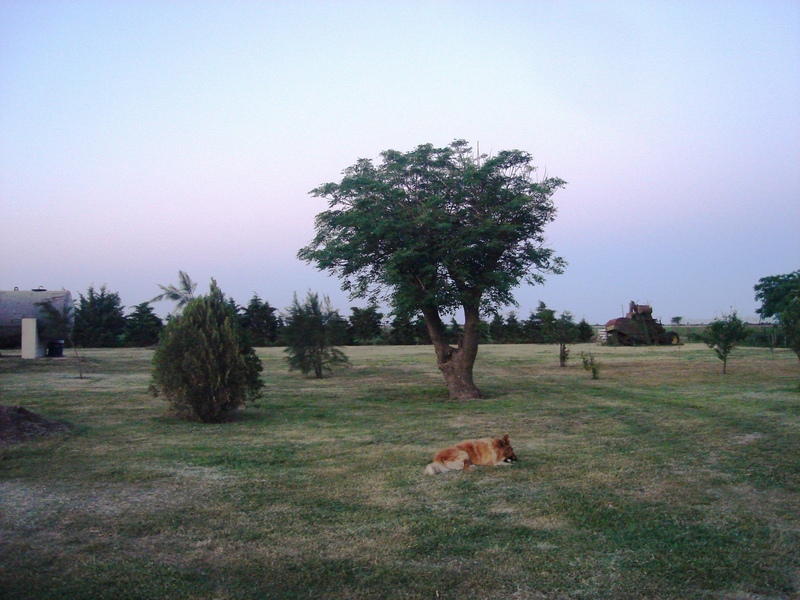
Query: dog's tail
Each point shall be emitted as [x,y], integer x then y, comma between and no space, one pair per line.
[435,468]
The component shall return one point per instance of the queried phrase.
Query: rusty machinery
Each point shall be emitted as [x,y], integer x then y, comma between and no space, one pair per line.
[639,327]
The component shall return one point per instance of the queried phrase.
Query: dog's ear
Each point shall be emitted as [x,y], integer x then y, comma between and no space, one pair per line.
[505,440]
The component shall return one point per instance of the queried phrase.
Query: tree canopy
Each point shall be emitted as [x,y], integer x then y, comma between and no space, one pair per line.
[723,335]
[776,292]
[437,229]
[259,320]
[790,321]
[365,324]
[99,319]
[142,326]
[780,297]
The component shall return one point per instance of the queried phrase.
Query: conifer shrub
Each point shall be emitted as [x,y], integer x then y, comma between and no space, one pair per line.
[590,364]
[563,354]
[204,363]
[309,331]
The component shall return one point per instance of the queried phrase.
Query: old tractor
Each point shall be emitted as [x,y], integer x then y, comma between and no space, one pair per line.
[638,327]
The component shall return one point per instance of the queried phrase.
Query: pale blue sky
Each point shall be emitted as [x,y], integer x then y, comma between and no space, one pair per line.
[139,138]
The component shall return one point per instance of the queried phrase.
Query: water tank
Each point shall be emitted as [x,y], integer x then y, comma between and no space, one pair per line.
[17,305]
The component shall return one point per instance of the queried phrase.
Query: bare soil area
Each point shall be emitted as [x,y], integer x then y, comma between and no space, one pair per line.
[18,424]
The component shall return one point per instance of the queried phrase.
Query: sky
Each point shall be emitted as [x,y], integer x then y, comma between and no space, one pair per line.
[140,138]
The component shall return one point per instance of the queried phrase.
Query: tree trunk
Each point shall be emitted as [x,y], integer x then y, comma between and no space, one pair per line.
[563,354]
[77,358]
[456,363]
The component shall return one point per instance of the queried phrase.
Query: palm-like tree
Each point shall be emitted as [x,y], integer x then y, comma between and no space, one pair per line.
[181,295]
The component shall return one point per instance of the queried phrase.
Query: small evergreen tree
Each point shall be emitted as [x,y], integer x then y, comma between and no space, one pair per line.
[723,335]
[143,326]
[567,333]
[365,324]
[401,331]
[545,325]
[453,332]
[585,331]
[259,320]
[99,319]
[497,329]
[339,331]
[404,331]
[514,333]
[484,333]
[590,363]
[308,330]
[204,364]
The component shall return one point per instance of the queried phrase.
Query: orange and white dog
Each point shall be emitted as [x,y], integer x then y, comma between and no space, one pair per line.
[463,456]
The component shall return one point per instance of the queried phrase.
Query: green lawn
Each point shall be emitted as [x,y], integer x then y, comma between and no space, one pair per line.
[662,479]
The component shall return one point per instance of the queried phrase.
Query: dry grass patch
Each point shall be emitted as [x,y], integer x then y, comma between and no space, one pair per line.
[663,479]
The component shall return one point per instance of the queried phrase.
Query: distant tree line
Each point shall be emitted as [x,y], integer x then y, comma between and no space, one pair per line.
[757,335]
[101,322]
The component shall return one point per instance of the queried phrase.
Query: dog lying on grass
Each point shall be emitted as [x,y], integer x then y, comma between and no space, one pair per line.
[464,456]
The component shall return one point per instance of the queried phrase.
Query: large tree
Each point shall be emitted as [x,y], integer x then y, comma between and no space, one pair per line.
[776,292]
[780,297]
[790,321]
[435,230]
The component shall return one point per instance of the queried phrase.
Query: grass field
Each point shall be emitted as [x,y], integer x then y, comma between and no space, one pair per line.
[662,479]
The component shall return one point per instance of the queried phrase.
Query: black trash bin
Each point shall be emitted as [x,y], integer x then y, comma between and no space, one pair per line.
[55,349]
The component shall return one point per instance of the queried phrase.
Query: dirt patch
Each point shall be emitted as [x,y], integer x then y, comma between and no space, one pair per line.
[18,424]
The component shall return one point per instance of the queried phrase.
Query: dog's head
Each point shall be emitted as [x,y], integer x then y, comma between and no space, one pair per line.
[508,455]
[505,450]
